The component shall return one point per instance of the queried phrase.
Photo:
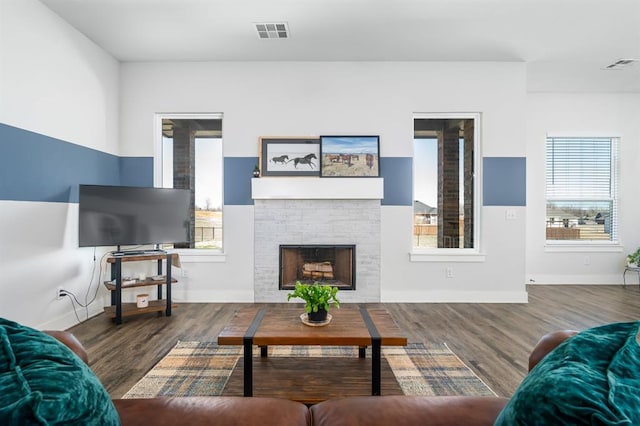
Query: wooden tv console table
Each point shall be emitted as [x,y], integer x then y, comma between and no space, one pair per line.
[118,310]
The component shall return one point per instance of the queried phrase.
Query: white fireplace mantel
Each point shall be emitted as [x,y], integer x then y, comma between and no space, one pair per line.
[314,188]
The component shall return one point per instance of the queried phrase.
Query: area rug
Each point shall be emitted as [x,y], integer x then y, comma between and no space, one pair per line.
[203,369]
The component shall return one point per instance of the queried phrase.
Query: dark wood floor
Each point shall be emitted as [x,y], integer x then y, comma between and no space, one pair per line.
[493,339]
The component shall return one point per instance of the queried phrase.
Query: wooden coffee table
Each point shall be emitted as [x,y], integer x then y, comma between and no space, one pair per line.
[281,325]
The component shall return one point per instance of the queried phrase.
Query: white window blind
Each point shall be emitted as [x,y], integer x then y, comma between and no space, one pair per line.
[581,178]
[579,168]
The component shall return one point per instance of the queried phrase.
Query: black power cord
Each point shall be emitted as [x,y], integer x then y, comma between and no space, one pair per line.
[73,298]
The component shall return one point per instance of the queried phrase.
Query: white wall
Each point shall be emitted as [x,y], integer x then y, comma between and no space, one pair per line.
[582,114]
[222,278]
[55,82]
[295,99]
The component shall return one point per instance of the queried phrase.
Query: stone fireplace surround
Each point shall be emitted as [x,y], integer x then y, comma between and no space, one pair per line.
[317,211]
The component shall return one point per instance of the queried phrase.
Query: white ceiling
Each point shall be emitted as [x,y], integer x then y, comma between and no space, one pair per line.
[595,32]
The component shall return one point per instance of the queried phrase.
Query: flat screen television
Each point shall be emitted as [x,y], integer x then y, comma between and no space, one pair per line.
[127,215]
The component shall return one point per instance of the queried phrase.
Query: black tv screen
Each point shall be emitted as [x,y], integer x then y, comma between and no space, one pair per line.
[126,215]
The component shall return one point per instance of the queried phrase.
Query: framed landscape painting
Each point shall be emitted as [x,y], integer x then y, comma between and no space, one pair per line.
[349,156]
[290,156]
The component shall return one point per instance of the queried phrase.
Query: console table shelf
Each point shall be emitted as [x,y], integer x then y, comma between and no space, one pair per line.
[118,309]
[130,309]
[111,286]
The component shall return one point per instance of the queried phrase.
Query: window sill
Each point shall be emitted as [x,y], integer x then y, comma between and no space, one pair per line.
[201,255]
[447,255]
[581,247]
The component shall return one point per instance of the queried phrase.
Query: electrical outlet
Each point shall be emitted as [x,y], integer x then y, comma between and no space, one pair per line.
[449,272]
[60,293]
[184,273]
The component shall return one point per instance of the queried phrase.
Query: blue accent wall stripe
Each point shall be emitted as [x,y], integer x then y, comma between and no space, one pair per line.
[238,172]
[35,167]
[504,181]
[398,180]
[136,171]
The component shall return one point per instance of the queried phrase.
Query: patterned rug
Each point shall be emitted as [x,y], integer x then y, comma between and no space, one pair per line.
[203,369]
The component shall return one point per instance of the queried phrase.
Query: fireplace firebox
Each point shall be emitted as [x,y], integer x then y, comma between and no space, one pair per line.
[327,264]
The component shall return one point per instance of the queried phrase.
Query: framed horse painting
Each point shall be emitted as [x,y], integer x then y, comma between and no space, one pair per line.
[283,156]
[349,156]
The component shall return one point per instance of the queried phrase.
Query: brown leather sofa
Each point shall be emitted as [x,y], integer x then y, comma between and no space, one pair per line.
[357,410]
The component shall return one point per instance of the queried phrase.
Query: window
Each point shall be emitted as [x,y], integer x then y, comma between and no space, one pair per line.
[191,157]
[444,208]
[581,189]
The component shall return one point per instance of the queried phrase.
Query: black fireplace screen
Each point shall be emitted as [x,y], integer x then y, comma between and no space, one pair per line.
[327,264]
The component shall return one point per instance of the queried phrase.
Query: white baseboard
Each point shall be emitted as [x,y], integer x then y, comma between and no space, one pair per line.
[214,296]
[587,279]
[69,319]
[455,297]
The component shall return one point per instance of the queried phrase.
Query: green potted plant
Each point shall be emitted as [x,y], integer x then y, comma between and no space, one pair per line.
[256,171]
[633,259]
[318,299]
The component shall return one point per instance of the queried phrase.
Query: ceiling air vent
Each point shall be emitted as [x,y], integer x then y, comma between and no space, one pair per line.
[273,30]
[620,64]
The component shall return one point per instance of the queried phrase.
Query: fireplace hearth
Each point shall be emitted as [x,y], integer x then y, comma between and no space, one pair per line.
[325,264]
